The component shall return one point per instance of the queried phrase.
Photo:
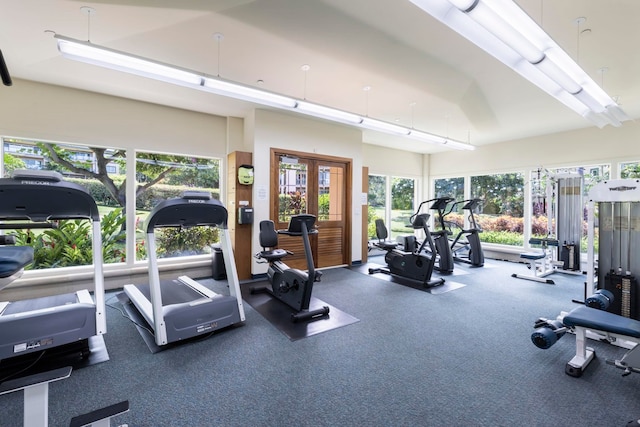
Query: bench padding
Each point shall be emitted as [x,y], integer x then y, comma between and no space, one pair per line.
[532,255]
[14,258]
[592,318]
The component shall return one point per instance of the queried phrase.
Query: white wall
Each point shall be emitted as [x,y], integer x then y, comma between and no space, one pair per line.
[279,130]
[54,113]
[388,161]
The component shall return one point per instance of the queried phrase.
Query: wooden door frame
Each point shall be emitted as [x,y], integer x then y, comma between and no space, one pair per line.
[274,189]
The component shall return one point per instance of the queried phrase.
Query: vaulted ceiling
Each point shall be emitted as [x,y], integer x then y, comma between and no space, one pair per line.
[421,73]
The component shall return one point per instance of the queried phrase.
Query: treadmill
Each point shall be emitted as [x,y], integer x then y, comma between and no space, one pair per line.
[183,308]
[35,199]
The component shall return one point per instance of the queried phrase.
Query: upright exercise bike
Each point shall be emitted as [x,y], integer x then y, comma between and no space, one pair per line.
[290,285]
[416,264]
[466,246]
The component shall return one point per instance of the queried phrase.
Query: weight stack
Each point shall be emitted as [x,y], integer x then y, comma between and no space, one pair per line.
[624,289]
[570,257]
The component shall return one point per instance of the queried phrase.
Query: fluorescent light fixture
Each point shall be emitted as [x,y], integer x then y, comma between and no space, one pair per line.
[328,113]
[385,127]
[505,31]
[436,139]
[428,137]
[235,90]
[109,58]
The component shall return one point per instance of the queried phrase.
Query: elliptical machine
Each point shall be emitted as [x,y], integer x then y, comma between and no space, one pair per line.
[290,285]
[466,246]
[417,264]
[444,261]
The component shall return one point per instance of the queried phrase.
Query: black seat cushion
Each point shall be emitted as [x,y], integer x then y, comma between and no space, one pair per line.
[13,259]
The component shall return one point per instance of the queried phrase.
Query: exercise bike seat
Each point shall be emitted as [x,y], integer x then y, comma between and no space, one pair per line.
[382,234]
[269,240]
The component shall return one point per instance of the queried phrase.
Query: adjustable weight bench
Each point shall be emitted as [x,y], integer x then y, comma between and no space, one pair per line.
[588,321]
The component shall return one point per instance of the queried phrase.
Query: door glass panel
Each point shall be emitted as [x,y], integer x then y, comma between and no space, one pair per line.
[330,193]
[292,189]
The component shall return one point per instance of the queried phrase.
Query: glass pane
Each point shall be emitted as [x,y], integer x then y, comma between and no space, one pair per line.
[292,183]
[162,176]
[330,193]
[539,204]
[376,199]
[402,206]
[629,170]
[454,188]
[99,170]
[502,207]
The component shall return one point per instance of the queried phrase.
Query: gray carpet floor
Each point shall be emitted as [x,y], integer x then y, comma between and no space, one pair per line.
[458,358]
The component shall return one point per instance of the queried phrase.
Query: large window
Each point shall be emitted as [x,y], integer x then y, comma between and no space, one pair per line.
[392,199]
[454,188]
[162,176]
[103,172]
[377,201]
[501,212]
[403,194]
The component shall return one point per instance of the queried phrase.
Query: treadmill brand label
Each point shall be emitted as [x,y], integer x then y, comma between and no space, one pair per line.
[19,348]
[31,182]
[196,201]
[207,327]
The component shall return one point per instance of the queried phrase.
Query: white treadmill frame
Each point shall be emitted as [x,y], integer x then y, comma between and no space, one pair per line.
[153,310]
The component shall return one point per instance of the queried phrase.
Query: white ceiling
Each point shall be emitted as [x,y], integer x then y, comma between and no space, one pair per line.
[401,52]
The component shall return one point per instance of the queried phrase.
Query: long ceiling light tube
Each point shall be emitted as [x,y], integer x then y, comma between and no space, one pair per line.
[104,57]
[505,31]
[109,58]
[385,127]
[328,113]
[227,88]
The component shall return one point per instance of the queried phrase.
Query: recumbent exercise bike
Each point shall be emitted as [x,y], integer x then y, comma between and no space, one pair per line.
[290,285]
[416,263]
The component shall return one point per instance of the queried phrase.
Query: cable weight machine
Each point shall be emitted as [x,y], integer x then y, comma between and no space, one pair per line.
[561,200]
[615,206]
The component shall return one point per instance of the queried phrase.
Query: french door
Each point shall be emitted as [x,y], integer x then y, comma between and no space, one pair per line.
[320,186]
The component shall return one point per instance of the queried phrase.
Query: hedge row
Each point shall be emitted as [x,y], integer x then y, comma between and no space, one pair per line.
[146,201]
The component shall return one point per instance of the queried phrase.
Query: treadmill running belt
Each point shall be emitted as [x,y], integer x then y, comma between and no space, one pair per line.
[24,306]
[173,292]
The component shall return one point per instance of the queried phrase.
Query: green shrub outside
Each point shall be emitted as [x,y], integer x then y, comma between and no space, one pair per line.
[146,201]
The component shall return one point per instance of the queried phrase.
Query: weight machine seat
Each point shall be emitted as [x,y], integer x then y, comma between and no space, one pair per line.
[13,259]
[532,255]
[592,318]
